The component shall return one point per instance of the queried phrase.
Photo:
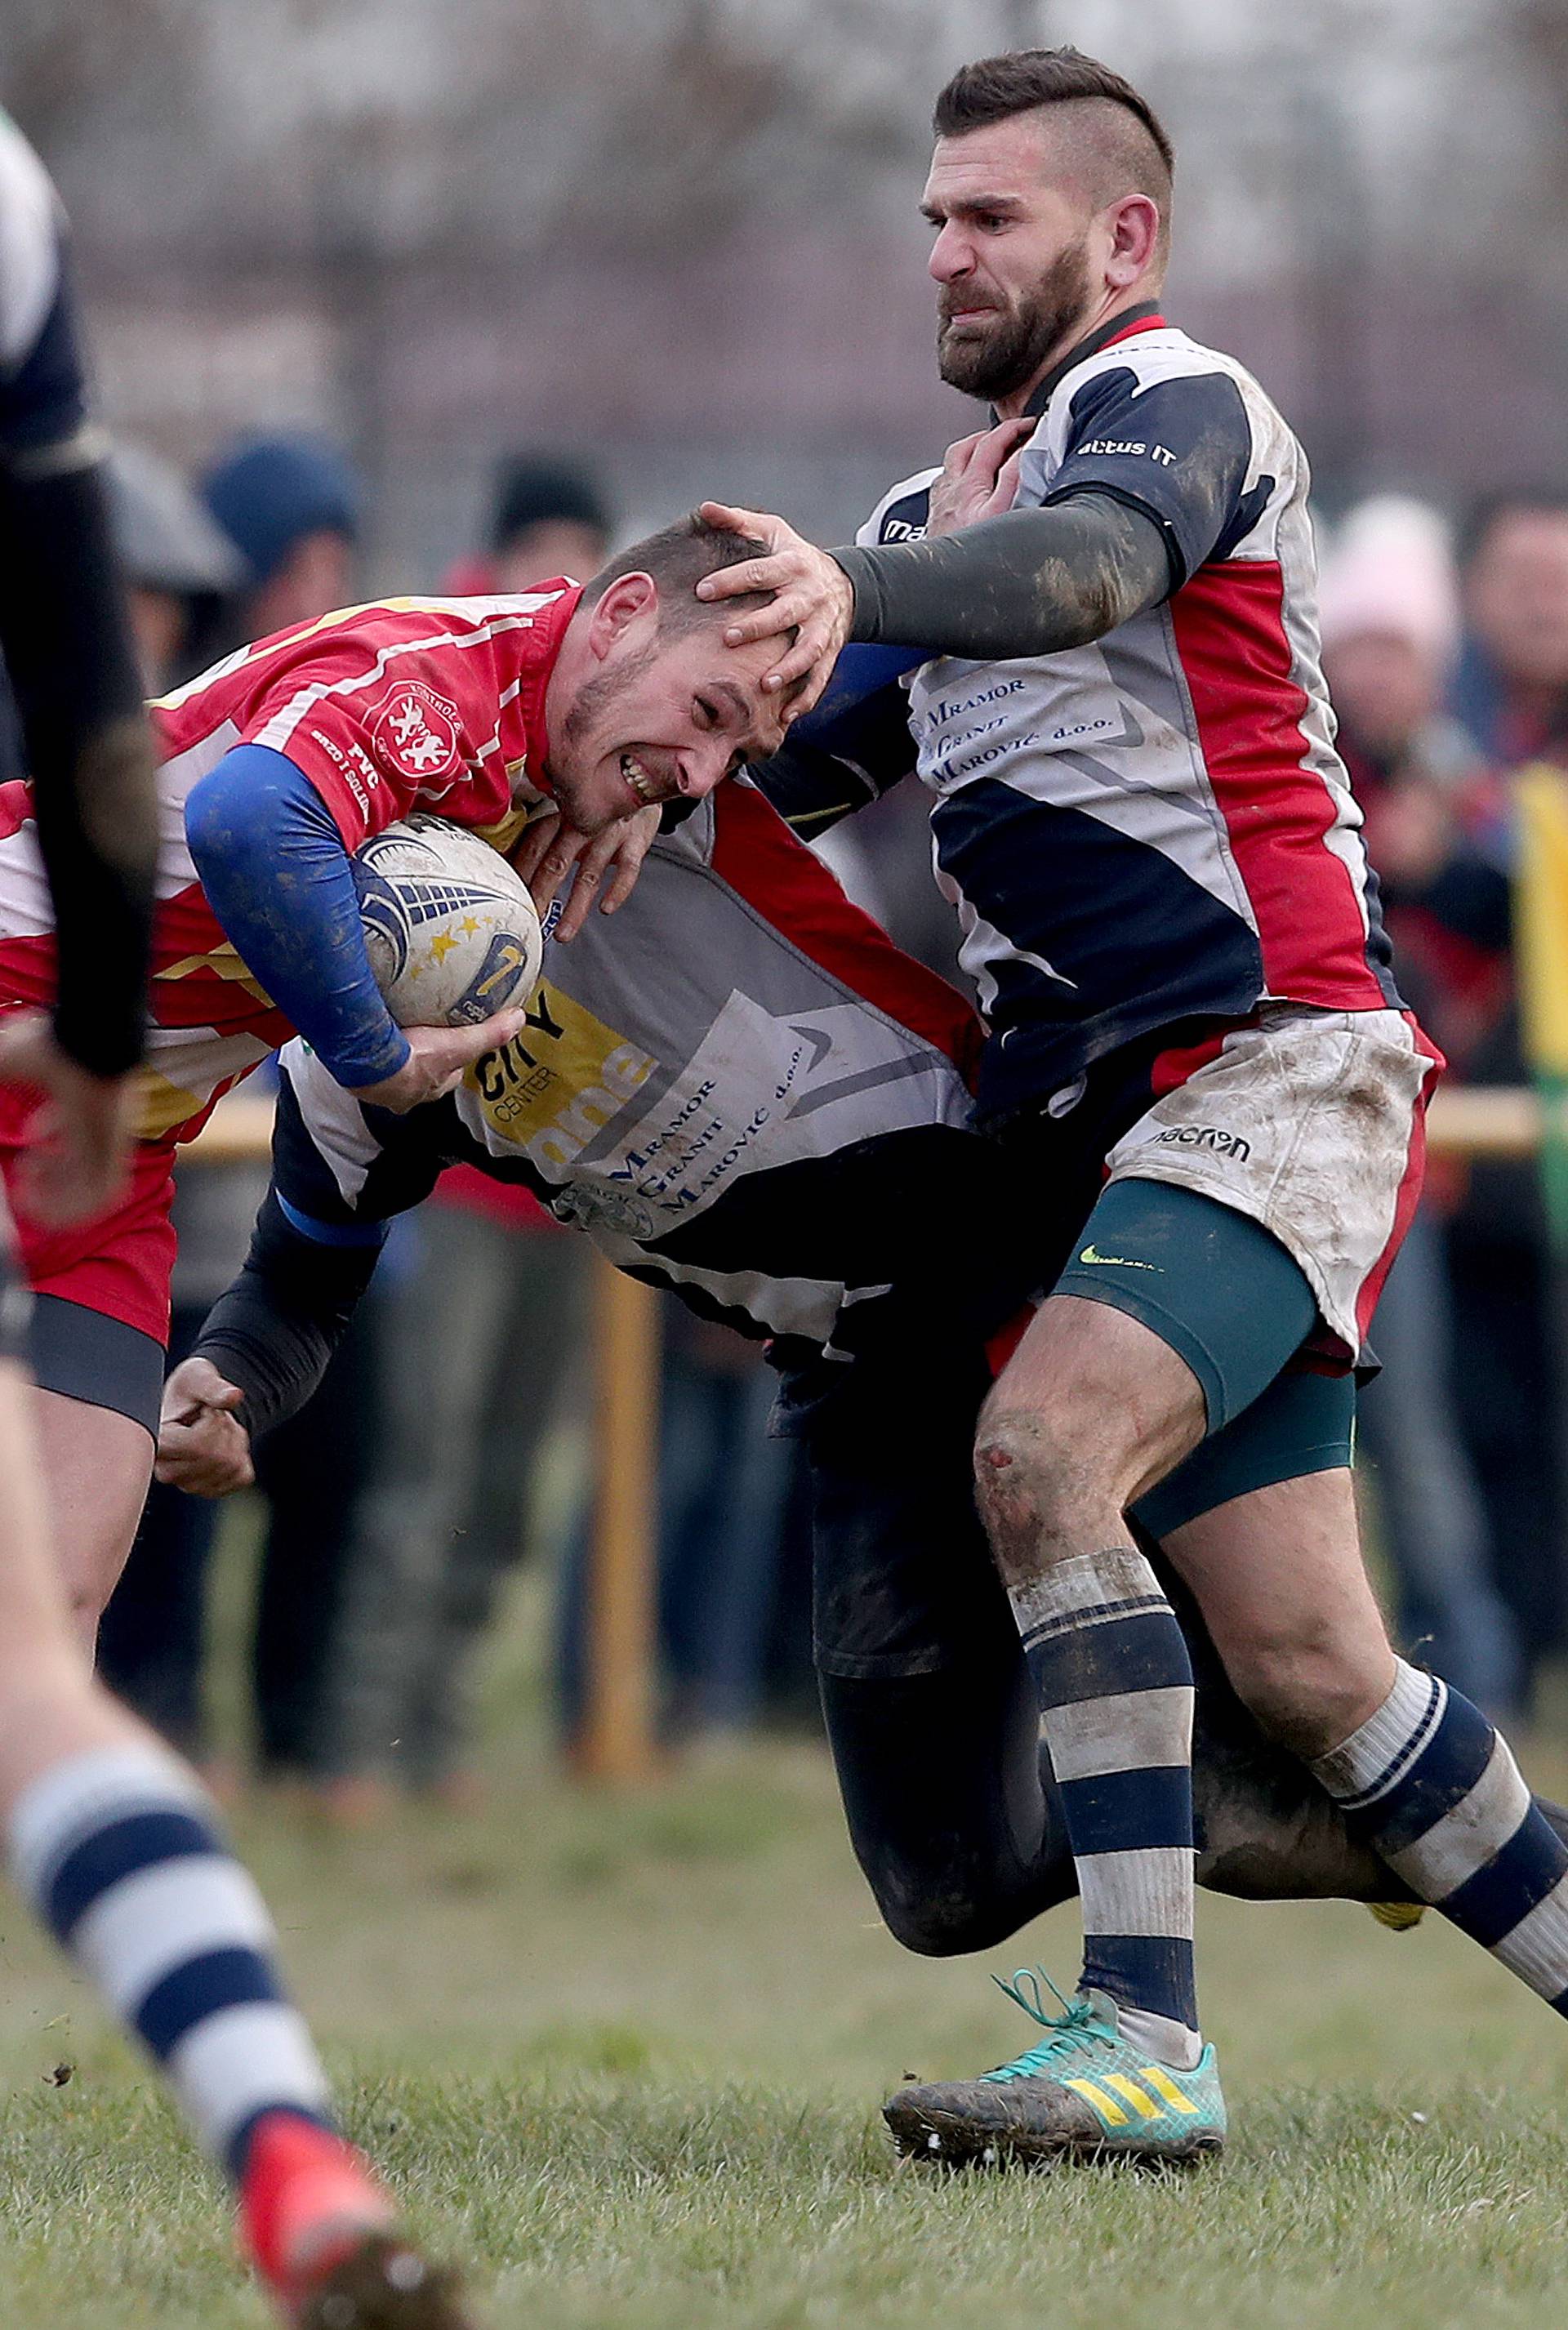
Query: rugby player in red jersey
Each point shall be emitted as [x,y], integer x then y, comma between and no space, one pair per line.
[108,1834]
[609,700]
[1197,1047]
[612,700]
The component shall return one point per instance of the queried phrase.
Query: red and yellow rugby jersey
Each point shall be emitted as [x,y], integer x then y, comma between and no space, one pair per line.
[408,704]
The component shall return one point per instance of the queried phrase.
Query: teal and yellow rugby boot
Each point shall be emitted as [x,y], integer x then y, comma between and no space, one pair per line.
[1085,2090]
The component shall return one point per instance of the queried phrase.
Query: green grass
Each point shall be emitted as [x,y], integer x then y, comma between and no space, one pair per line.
[624,2055]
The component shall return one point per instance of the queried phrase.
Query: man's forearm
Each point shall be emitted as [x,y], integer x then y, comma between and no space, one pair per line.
[1029,582]
[89,753]
[278,878]
[276,1328]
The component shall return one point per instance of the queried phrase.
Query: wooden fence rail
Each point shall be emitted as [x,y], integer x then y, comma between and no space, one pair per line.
[619,1743]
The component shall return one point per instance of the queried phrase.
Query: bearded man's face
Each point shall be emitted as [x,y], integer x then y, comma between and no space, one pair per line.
[991,342]
[1011,259]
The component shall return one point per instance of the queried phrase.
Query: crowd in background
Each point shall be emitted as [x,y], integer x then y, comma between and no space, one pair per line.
[396,1507]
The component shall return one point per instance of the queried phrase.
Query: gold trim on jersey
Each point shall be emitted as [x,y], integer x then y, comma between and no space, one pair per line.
[224,961]
[520,603]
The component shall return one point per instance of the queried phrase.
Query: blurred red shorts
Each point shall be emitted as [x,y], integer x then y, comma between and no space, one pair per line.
[120,1264]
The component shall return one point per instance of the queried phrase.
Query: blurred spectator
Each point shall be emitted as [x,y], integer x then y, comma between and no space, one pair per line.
[724,1492]
[179,568]
[292,508]
[1511,690]
[476,1339]
[548,517]
[1390,624]
[1512,694]
[442,1517]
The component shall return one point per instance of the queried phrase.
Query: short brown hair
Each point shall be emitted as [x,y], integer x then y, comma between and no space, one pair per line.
[678,557]
[994,88]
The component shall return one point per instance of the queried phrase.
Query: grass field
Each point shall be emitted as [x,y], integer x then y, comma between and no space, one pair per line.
[624,2056]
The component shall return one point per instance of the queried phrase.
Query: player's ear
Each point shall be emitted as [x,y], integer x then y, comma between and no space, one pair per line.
[1131,227]
[630,602]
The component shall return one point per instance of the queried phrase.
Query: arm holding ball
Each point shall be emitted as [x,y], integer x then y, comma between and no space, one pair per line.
[273,865]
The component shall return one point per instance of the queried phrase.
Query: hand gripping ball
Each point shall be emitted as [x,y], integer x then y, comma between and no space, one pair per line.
[451,931]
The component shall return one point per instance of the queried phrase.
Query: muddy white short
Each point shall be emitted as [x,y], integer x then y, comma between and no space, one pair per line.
[1312,1123]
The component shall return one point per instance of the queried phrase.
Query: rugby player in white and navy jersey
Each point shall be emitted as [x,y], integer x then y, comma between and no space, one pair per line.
[744,1093]
[1108,600]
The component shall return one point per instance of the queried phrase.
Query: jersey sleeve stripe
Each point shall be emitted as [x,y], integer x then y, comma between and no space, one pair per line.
[1236,653]
[758,857]
[330,1233]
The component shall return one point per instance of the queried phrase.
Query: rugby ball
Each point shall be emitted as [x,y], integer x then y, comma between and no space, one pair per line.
[451,930]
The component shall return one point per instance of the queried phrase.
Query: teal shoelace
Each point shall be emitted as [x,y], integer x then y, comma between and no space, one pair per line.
[1077,2029]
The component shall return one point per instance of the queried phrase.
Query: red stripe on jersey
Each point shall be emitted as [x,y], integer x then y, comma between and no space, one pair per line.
[1144,324]
[1231,636]
[389,708]
[757,855]
[15,807]
[1409,1186]
[1172,1067]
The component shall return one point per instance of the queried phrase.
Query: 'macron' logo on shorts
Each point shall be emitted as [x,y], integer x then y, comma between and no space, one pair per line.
[1205,1136]
[415,730]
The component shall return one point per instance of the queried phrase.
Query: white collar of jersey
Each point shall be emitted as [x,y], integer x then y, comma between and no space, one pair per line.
[1089,345]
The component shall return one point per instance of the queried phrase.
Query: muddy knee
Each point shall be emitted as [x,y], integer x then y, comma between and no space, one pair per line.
[1037,1493]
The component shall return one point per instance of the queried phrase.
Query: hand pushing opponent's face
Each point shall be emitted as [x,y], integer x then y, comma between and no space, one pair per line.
[654,707]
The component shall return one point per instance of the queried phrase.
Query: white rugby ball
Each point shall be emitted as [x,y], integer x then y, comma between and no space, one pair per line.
[451,930]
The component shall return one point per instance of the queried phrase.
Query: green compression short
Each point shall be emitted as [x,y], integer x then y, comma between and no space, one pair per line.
[1228,1299]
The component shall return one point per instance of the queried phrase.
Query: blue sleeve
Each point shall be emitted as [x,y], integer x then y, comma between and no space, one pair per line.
[1177,449]
[278,878]
[862,677]
[851,747]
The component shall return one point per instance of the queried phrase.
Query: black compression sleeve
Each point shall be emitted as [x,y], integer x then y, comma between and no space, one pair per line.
[1026,584]
[275,1328]
[88,752]
[810,788]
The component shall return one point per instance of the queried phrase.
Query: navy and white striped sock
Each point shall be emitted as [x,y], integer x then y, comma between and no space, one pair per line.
[1115,1684]
[120,1852]
[1429,1784]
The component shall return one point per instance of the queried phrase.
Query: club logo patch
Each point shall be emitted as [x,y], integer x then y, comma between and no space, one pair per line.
[415,730]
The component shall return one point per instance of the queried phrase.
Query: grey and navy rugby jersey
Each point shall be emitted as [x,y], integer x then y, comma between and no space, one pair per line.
[44,427]
[740,1088]
[71,709]
[1155,826]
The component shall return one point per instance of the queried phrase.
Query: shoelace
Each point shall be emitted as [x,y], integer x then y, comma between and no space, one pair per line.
[1078,2029]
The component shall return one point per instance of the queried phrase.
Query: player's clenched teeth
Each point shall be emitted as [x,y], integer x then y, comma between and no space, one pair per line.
[638,779]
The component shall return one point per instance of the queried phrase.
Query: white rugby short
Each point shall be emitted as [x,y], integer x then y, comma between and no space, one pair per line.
[1312,1122]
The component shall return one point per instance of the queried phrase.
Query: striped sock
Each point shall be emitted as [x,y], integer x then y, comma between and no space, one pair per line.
[1115,1684]
[120,1852]
[1429,1784]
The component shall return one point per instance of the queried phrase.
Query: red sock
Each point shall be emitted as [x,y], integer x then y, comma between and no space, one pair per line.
[305,2196]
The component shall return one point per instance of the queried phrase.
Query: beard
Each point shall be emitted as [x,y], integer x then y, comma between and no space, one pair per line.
[1015,344]
[578,753]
